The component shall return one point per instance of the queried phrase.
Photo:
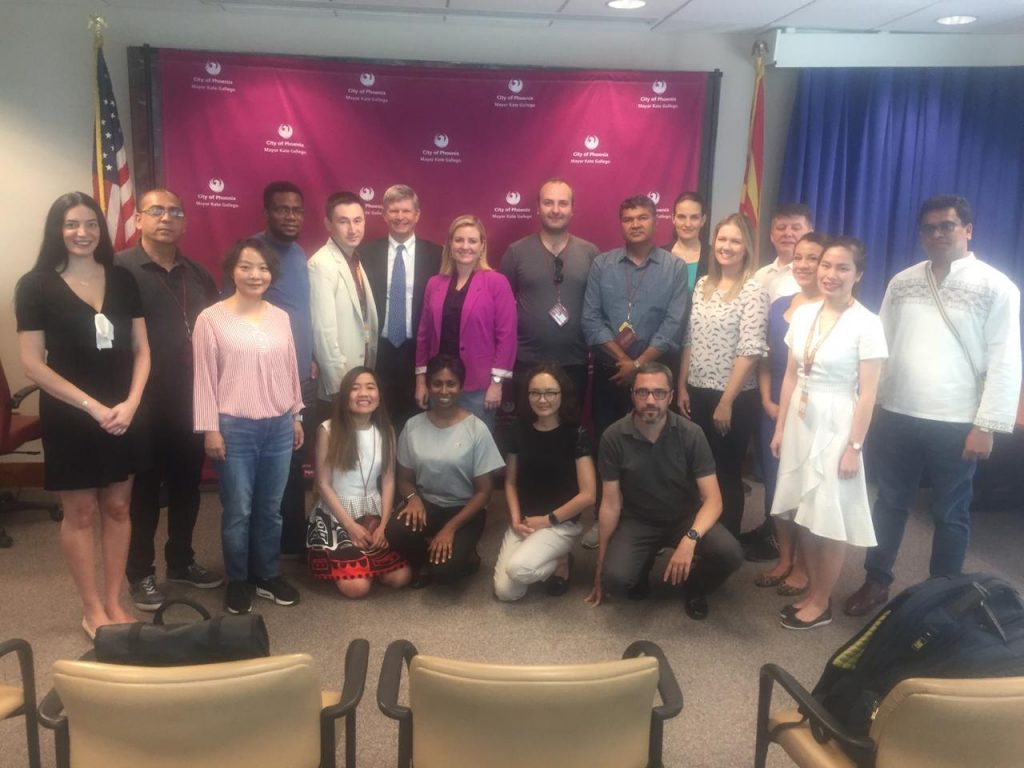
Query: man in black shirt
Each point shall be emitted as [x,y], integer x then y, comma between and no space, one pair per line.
[660,490]
[174,291]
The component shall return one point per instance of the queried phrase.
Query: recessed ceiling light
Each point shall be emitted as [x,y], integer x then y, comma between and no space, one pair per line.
[952,21]
[626,5]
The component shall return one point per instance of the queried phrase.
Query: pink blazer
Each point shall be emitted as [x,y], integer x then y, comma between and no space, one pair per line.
[487,336]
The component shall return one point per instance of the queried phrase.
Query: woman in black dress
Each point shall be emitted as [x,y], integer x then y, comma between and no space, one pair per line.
[82,339]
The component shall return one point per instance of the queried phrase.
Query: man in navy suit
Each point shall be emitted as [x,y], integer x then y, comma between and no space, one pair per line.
[398,267]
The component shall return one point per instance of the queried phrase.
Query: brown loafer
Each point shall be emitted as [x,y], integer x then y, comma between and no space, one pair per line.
[866,599]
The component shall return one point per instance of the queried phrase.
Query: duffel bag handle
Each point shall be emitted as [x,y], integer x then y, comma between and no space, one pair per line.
[158,617]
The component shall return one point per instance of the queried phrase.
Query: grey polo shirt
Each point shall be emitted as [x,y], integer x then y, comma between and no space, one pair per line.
[660,297]
[658,480]
[530,269]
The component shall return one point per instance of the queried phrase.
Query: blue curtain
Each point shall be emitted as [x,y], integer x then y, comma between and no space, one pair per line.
[867,146]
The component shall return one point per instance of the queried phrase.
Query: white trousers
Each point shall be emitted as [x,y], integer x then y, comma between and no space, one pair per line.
[525,560]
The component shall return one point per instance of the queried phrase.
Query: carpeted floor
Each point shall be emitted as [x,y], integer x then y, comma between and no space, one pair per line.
[716,661]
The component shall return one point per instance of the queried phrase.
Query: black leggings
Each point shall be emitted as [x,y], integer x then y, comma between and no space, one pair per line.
[730,449]
[413,545]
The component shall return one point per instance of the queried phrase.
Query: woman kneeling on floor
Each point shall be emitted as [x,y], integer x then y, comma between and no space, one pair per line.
[550,480]
[355,475]
[445,460]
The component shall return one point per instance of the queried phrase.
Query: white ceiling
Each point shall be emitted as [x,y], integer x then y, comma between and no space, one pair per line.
[677,16]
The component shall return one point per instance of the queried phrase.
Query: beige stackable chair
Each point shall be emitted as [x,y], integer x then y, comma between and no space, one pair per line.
[472,715]
[922,723]
[258,713]
[20,700]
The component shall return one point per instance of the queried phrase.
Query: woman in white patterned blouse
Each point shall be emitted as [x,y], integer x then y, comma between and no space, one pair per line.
[725,338]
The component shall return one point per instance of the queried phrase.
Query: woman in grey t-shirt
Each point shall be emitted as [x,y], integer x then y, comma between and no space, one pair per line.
[445,460]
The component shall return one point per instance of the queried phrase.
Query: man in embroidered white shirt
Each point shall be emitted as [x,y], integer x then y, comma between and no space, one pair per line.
[790,222]
[952,379]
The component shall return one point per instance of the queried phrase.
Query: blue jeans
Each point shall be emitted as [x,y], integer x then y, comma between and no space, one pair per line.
[902,448]
[474,403]
[253,475]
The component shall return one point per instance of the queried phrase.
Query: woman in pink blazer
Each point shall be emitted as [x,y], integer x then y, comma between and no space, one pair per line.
[468,312]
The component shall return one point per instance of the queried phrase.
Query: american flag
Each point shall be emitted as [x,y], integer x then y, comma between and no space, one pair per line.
[111,180]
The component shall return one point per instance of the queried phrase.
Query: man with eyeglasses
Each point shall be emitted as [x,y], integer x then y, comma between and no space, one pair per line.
[952,379]
[284,211]
[174,291]
[660,491]
[548,274]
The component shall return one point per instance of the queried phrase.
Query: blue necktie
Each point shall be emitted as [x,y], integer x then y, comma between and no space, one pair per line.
[396,300]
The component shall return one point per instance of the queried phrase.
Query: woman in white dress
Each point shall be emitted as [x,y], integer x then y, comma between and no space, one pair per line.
[836,349]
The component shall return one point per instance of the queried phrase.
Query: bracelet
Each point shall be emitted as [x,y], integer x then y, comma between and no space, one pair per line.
[406,499]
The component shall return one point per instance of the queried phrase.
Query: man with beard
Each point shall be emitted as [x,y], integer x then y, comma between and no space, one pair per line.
[660,490]
[548,274]
[284,213]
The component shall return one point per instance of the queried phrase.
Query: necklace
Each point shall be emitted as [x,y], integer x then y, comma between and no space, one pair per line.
[365,478]
[811,352]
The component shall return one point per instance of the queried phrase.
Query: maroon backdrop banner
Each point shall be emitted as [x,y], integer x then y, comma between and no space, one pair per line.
[468,140]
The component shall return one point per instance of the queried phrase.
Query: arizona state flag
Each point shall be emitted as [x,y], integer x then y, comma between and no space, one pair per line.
[750,195]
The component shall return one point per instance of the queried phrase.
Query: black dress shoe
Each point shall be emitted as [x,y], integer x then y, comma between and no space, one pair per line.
[695,603]
[641,591]
[556,586]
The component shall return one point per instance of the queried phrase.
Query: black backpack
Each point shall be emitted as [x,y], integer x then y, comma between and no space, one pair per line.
[965,626]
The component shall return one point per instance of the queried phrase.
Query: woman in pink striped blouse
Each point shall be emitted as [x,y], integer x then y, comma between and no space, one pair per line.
[247,402]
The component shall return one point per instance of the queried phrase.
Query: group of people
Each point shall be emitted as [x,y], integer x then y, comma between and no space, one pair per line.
[398,350]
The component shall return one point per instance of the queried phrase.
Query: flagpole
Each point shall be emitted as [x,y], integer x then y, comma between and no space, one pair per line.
[96,25]
[750,197]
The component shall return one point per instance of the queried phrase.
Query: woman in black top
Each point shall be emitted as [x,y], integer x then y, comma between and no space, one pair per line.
[549,480]
[82,339]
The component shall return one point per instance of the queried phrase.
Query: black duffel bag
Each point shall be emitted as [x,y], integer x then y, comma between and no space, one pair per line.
[225,638]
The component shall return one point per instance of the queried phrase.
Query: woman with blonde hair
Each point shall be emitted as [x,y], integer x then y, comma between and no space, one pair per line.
[725,338]
[469,312]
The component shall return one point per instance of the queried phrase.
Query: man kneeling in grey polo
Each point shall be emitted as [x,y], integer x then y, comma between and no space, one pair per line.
[660,490]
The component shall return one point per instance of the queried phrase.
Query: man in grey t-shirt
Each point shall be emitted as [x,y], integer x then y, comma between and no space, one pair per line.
[548,273]
[660,490]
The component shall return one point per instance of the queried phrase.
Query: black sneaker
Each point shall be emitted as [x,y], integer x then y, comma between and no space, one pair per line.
[239,598]
[276,589]
[145,594]
[195,575]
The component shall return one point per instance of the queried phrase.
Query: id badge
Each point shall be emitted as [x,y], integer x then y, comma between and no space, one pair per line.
[626,336]
[559,314]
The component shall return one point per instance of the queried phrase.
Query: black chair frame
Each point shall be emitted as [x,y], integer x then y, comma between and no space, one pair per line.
[28,686]
[400,654]
[51,712]
[824,727]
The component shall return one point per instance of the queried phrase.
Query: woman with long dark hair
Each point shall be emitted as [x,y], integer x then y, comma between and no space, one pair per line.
[355,475]
[82,339]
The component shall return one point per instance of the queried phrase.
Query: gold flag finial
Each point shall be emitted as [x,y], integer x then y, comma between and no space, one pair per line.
[760,50]
[96,25]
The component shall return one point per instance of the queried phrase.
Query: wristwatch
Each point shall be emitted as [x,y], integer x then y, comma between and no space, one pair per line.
[692,534]
[297,417]
[856,446]
[552,519]
[496,379]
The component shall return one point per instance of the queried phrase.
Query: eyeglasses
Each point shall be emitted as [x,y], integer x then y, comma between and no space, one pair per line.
[643,393]
[943,227]
[157,211]
[284,210]
[559,264]
[544,394]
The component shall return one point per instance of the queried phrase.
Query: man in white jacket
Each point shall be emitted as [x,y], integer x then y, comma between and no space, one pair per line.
[342,307]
